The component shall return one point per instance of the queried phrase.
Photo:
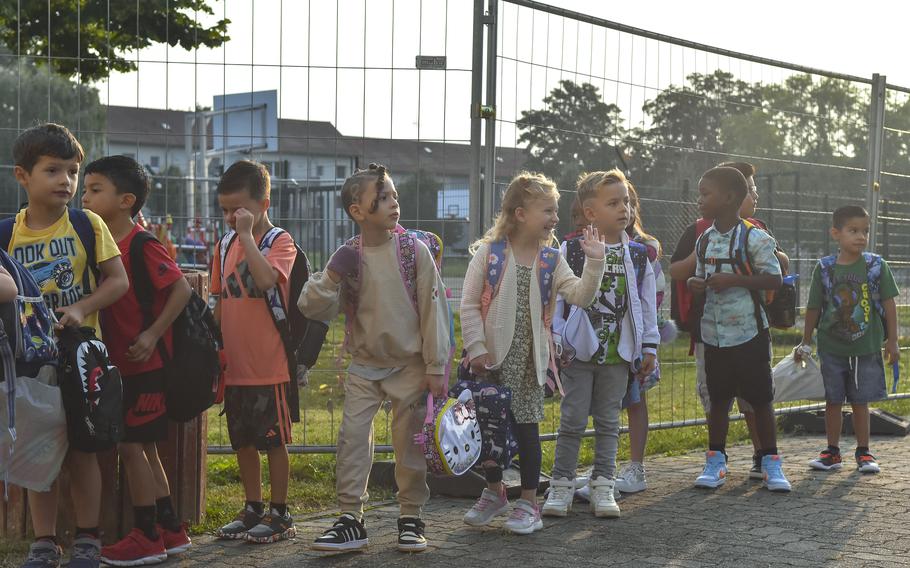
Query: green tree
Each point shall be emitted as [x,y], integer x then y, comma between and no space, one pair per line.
[28,96]
[687,122]
[575,132]
[816,117]
[92,38]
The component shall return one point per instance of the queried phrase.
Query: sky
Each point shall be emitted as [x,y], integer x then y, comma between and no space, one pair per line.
[351,62]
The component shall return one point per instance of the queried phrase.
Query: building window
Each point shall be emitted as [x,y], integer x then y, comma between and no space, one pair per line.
[277,169]
[320,171]
[340,172]
[155,161]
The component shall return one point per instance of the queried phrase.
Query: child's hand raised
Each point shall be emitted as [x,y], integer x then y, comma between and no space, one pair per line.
[593,243]
[243,221]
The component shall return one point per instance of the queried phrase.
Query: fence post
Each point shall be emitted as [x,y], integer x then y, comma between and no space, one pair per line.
[876,140]
[489,170]
[476,191]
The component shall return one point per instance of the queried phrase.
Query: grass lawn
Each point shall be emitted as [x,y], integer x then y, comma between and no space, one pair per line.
[312,476]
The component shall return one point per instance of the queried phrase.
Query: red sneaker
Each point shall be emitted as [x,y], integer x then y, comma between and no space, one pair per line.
[134,550]
[175,542]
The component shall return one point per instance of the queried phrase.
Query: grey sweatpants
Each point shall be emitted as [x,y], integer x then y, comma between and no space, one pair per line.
[590,390]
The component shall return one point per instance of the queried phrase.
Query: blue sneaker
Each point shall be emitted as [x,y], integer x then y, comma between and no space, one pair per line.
[774,478]
[86,553]
[715,472]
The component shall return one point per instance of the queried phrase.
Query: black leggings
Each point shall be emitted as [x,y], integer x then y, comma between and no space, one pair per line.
[528,437]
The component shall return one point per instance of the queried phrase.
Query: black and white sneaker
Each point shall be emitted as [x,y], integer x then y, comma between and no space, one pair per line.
[346,534]
[410,535]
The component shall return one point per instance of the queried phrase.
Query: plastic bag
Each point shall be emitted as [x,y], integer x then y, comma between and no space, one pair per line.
[576,335]
[34,458]
[793,381]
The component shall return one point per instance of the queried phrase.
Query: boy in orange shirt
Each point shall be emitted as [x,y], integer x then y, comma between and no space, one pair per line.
[255,398]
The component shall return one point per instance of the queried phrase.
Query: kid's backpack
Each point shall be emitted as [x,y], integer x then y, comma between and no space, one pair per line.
[92,390]
[301,337]
[685,308]
[873,280]
[546,264]
[193,373]
[84,230]
[493,404]
[29,323]
[450,437]
[406,251]
[780,305]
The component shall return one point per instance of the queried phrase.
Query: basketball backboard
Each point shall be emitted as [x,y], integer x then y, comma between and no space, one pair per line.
[245,121]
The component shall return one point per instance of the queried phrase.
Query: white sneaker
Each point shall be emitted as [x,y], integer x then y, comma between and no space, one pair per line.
[631,478]
[603,504]
[525,518]
[486,508]
[559,501]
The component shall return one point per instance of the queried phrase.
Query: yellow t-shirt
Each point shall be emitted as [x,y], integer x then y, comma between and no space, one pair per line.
[57,258]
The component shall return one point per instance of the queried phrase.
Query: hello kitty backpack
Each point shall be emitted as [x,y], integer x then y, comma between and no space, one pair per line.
[450,436]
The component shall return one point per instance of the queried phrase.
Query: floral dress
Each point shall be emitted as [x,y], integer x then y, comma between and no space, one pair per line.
[517,371]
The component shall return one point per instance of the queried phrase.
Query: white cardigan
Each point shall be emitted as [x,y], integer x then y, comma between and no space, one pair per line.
[494,336]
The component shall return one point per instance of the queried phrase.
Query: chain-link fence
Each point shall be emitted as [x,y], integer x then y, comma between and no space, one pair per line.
[582,94]
[317,89]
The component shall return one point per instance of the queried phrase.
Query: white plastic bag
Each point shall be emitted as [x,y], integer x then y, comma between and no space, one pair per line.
[575,335]
[34,458]
[792,381]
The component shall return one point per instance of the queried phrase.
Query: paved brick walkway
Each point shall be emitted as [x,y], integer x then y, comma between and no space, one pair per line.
[843,518]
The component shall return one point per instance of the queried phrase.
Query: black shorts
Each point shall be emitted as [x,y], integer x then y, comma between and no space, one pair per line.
[742,371]
[144,410]
[258,416]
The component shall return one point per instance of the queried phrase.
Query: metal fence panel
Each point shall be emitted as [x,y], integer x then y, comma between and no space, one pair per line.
[316,89]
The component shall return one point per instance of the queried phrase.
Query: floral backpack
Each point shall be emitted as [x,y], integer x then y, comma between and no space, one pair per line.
[450,436]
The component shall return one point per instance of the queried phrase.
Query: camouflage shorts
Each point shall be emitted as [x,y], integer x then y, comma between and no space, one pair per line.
[258,416]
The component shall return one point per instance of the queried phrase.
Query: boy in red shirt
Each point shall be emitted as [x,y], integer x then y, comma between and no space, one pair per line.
[116,188]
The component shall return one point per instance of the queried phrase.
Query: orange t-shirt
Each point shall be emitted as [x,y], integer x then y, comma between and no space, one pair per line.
[252,345]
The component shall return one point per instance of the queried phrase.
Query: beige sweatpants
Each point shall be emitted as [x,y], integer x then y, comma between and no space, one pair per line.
[362,400]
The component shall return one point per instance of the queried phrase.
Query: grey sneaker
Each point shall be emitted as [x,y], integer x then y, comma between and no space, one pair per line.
[525,518]
[631,478]
[486,508]
[272,528]
[242,523]
[86,553]
[43,554]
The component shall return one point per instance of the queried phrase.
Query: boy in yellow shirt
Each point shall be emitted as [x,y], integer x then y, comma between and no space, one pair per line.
[76,262]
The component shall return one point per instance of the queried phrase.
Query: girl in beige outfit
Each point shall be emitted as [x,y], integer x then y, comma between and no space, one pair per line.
[509,343]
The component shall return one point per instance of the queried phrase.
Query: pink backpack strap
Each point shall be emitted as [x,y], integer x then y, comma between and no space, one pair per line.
[350,292]
[406,251]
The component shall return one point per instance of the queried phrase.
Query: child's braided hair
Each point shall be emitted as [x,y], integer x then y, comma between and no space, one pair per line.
[359,181]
